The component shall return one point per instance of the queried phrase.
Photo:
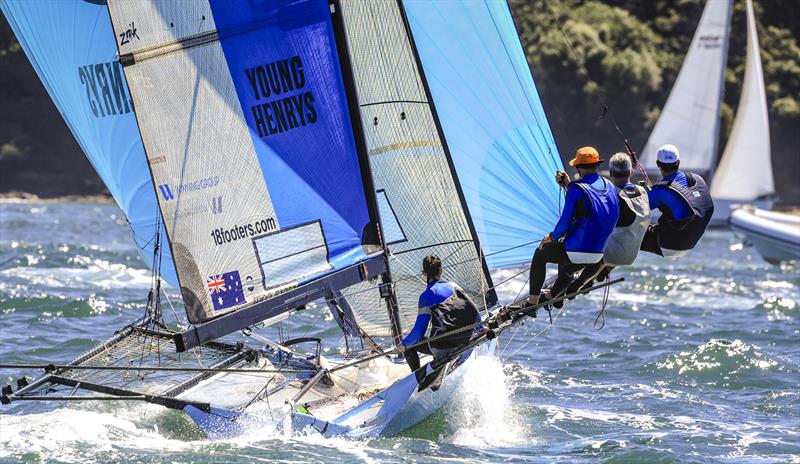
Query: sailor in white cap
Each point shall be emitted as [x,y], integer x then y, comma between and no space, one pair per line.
[685,204]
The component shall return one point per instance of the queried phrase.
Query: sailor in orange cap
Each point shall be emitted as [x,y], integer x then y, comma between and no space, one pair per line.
[591,210]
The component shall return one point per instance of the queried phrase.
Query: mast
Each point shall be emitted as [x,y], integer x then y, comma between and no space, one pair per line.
[387,286]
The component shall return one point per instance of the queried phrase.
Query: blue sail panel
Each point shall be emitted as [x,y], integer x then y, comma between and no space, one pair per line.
[243,117]
[293,99]
[71,45]
[496,129]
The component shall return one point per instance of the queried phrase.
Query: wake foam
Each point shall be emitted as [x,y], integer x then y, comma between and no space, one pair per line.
[482,413]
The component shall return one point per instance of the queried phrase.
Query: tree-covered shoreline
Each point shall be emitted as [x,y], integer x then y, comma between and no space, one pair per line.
[632,49]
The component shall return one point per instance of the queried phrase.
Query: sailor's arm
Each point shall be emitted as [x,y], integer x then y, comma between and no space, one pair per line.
[562,226]
[420,327]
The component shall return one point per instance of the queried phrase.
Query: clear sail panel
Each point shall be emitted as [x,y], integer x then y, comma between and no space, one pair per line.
[420,206]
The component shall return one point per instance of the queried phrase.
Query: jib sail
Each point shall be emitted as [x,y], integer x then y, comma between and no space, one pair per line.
[421,208]
[245,125]
[496,129]
[70,44]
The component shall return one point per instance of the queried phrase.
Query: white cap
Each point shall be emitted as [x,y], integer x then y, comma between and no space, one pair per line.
[668,154]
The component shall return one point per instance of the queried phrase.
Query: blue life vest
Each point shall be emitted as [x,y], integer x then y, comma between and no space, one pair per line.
[590,234]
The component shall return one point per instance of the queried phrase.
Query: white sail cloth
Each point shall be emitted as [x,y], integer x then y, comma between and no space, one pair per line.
[745,172]
[690,118]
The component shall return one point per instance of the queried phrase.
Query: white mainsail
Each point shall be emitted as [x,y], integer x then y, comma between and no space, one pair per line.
[690,118]
[748,147]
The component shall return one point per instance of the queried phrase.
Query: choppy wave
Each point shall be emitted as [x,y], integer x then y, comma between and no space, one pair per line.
[719,360]
[698,361]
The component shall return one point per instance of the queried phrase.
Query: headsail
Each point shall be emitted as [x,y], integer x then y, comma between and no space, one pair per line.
[494,122]
[242,112]
[690,118]
[421,207]
[748,147]
[71,45]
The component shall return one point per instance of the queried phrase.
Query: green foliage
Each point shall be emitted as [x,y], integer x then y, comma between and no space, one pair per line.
[633,50]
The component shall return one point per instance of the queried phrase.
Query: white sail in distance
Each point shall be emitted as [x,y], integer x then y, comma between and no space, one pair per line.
[748,147]
[690,118]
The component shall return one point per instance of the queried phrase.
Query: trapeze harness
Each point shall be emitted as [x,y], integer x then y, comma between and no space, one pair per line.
[623,245]
[676,237]
[587,240]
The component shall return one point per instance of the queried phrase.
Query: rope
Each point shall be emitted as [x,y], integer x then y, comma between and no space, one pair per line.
[602,315]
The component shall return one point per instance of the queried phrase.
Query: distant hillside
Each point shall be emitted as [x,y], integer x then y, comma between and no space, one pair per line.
[632,48]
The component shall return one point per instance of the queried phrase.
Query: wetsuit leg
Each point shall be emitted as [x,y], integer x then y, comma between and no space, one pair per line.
[412,355]
[588,274]
[566,271]
[552,252]
[650,241]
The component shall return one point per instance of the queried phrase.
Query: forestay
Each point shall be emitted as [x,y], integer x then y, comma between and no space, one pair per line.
[71,45]
[493,120]
[690,118]
[242,113]
[748,147]
[421,208]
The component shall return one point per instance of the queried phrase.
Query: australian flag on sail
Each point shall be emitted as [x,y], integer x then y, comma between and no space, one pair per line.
[226,290]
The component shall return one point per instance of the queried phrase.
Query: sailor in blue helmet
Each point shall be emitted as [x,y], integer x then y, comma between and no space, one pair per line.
[685,204]
[445,306]
[591,210]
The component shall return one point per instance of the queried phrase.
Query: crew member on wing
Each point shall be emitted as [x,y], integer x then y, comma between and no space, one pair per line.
[686,208]
[446,307]
[590,212]
[634,219]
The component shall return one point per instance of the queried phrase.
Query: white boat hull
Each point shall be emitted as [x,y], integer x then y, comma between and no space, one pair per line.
[385,413]
[724,208]
[776,236]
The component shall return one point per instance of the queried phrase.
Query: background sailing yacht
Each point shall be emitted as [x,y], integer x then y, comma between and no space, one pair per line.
[691,117]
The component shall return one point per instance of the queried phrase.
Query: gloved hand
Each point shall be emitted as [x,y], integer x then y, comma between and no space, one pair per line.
[562,179]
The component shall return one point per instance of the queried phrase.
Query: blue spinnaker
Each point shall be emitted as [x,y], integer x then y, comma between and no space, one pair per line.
[70,44]
[493,120]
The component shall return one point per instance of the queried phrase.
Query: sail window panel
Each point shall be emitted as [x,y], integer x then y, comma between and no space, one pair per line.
[392,230]
[408,162]
[142,25]
[292,254]
[205,168]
